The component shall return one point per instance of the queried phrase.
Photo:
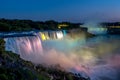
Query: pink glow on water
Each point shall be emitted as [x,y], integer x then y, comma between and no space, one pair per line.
[95,59]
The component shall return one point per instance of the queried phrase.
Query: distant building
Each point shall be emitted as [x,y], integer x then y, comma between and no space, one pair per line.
[62,25]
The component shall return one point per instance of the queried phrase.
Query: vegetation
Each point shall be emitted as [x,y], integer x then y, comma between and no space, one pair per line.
[26,25]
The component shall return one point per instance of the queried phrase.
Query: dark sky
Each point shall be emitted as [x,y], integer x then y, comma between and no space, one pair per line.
[61,10]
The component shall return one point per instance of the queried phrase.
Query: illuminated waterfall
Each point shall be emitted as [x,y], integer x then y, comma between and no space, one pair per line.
[31,46]
[25,46]
[97,57]
[49,35]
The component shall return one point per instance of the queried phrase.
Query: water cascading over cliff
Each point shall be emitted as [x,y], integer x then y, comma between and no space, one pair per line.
[25,46]
[46,47]
[97,57]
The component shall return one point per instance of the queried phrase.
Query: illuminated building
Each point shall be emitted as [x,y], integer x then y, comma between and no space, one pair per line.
[62,26]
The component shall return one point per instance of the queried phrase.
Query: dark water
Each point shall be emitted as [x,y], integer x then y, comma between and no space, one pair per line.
[97,57]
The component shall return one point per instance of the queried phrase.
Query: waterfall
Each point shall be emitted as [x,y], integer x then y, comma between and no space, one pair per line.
[97,57]
[44,43]
[25,46]
[30,47]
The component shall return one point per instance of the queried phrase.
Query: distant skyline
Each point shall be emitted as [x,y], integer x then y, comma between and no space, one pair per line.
[61,10]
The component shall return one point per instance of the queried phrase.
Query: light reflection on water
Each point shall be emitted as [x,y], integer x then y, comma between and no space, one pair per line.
[97,57]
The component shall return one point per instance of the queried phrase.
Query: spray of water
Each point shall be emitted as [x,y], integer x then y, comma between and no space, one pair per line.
[97,57]
[95,28]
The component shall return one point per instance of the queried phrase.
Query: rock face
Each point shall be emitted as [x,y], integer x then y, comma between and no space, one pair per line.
[12,67]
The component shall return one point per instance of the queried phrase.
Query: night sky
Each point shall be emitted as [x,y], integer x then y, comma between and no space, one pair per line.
[61,10]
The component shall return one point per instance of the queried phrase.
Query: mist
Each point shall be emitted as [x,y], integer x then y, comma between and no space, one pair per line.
[95,27]
[96,57]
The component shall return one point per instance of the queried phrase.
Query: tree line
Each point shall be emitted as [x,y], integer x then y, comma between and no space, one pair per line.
[27,25]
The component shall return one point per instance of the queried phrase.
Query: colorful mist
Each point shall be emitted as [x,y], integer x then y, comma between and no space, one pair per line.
[96,57]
